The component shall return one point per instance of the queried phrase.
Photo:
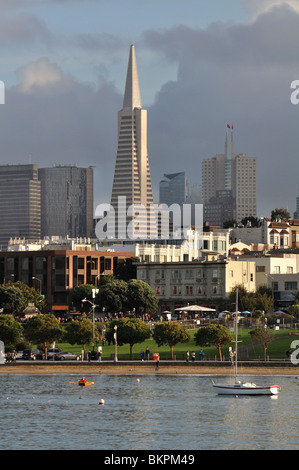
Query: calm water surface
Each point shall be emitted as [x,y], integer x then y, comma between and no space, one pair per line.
[158,413]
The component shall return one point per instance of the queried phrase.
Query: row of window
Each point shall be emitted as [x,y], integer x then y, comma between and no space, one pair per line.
[187,290]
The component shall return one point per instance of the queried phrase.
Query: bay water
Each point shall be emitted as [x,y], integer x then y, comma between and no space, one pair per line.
[156,412]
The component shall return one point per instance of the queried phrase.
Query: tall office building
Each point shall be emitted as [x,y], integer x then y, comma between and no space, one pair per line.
[229,185]
[296,213]
[20,203]
[173,189]
[132,182]
[66,201]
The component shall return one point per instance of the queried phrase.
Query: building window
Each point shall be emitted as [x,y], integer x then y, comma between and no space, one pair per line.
[290,285]
[260,269]
[80,263]
[175,274]
[189,274]
[189,290]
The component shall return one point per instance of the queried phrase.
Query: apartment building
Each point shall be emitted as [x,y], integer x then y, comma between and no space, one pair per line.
[207,281]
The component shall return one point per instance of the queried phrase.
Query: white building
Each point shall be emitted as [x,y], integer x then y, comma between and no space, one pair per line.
[204,282]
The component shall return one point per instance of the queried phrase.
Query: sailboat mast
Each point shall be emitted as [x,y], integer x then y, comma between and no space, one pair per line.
[236,332]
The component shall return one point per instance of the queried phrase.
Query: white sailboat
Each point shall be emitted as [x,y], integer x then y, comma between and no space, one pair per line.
[239,387]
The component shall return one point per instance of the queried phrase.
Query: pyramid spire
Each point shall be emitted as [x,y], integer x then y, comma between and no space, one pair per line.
[132,97]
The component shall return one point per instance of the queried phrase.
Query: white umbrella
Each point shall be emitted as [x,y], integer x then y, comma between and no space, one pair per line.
[196,308]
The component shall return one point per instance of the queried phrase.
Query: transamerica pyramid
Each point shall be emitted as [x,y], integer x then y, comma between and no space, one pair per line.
[132,182]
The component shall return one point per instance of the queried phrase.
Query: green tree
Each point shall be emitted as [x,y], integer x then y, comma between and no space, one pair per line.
[242,293]
[11,299]
[15,297]
[254,221]
[218,335]
[280,214]
[81,332]
[129,331]
[43,329]
[141,297]
[229,223]
[11,331]
[170,333]
[30,295]
[262,336]
[294,310]
[264,302]
[81,292]
[113,295]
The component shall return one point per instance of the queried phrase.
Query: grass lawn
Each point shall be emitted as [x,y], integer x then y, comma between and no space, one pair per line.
[276,349]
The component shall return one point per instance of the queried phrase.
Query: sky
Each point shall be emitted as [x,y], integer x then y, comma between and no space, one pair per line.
[201,65]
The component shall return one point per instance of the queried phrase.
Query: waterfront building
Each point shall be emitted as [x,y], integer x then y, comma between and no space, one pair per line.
[207,281]
[20,209]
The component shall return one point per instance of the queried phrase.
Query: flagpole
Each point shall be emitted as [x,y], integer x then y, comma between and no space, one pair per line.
[225,147]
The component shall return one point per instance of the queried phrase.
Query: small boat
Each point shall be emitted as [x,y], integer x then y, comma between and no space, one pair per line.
[239,387]
[83,383]
[246,388]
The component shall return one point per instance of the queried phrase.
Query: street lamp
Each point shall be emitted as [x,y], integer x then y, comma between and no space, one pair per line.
[93,307]
[40,283]
[115,344]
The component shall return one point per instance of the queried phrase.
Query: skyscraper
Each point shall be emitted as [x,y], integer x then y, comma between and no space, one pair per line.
[20,203]
[229,185]
[66,201]
[132,182]
[174,189]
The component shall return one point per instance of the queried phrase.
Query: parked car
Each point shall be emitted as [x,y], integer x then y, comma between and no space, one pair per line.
[66,356]
[19,355]
[93,355]
[52,352]
[33,354]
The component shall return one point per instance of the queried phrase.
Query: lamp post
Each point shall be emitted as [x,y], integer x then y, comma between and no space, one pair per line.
[40,283]
[93,307]
[115,344]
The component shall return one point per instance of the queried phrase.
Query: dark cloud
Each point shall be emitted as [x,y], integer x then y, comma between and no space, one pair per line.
[227,73]
[58,121]
[238,74]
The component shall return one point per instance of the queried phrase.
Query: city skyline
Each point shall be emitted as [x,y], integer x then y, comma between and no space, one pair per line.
[200,66]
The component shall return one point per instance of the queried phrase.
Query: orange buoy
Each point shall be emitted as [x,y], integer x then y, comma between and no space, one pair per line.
[137,380]
[101,401]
